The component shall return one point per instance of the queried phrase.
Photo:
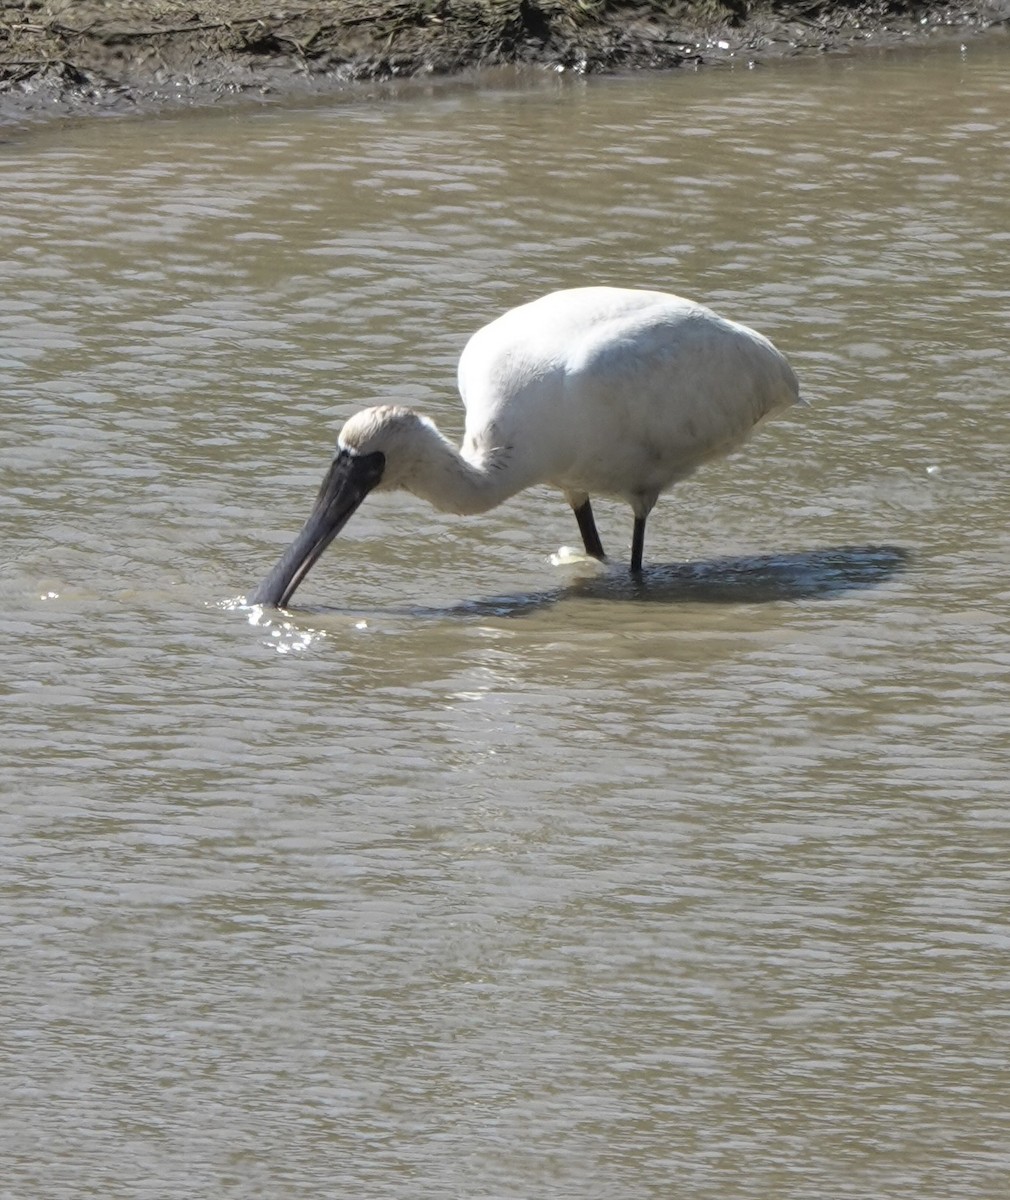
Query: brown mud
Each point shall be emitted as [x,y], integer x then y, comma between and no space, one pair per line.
[77,56]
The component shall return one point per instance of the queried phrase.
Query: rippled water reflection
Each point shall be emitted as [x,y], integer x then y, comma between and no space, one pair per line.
[480,876]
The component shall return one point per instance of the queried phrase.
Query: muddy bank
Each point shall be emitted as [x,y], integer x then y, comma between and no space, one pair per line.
[59,56]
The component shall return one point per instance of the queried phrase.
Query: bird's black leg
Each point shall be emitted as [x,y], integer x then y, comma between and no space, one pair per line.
[637,546]
[587,527]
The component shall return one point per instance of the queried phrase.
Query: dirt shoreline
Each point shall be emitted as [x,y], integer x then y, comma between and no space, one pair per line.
[60,57]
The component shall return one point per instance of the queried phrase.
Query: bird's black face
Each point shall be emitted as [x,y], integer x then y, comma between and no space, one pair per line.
[348,481]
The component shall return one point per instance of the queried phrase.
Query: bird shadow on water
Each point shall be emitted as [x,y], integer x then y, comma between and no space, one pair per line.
[820,574]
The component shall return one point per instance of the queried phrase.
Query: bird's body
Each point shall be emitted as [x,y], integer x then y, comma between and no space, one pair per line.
[594,391]
[614,392]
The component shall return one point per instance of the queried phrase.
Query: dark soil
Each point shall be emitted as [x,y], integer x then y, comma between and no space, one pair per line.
[85,55]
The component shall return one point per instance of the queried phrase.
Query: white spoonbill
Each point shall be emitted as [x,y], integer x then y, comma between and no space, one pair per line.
[594,391]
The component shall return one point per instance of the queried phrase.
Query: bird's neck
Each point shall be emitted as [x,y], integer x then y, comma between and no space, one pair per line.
[467,482]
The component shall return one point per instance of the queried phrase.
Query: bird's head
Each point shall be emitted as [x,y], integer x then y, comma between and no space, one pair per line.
[378,448]
[403,438]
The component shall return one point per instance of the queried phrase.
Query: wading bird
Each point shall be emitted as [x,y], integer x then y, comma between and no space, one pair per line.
[594,391]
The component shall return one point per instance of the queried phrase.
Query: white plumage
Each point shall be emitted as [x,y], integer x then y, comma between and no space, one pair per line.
[594,391]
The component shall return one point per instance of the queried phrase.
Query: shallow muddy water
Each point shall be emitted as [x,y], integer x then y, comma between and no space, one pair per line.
[478,876]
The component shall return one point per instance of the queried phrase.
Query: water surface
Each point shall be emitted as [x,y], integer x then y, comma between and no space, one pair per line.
[479,876]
